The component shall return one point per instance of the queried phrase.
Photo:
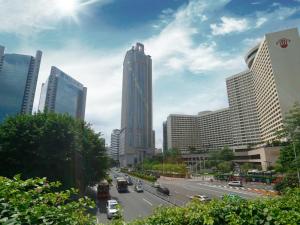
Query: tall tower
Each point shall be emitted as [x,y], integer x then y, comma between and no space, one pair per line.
[63,94]
[18,78]
[136,135]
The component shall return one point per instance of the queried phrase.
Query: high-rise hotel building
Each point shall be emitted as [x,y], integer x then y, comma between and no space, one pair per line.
[63,94]
[259,98]
[18,78]
[136,134]
[276,76]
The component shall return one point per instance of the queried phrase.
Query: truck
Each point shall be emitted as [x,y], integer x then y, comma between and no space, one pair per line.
[122,185]
[103,190]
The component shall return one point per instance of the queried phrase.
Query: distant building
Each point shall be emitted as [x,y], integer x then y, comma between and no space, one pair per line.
[18,78]
[215,129]
[63,94]
[165,136]
[183,133]
[136,134]
[114,144]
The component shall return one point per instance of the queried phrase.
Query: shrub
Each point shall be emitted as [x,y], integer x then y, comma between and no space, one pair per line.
[35,201]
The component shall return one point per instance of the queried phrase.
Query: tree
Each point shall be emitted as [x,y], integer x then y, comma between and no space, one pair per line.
[37,201]
[246,166]
[226,154]
[225,166]
[52,145]
[289,159]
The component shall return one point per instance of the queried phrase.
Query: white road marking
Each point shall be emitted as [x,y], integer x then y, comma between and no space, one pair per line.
[148,202]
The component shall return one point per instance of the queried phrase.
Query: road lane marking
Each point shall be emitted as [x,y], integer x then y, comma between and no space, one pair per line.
[148,202]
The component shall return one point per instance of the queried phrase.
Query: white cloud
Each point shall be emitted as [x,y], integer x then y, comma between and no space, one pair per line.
[260,22]
[229,25]
[30,16]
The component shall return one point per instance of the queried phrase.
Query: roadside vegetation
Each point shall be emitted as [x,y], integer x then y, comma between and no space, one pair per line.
[54,146]
[278,210]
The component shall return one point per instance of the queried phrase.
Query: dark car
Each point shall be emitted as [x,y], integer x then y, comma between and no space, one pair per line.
[163,190]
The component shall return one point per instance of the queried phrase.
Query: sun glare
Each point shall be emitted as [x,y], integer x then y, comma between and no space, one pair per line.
[67,7]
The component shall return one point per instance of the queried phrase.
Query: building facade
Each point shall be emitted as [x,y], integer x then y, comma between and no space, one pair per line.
[215,129]
[136,134]
[243,112]
[165,136]
[183,133]
[18,78]
[115,144]
[275,70]
[63,94]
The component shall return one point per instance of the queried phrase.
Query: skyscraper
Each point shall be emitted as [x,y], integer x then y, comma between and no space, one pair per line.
[136,135]
[63,94]
[18,78]
[275,70]
[114,144]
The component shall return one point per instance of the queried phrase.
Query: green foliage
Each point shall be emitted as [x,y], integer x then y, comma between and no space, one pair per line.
[268,211]
[52,145]
[246,167]
[289,181]
[35,201]
[143,176]
[224,166]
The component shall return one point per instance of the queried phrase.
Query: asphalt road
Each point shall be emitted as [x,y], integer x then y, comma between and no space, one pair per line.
[138,205]
[134,205]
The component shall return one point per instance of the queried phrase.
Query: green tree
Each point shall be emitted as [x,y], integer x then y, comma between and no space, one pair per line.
[226,154]
[37,201]
[246,166]
[52,145]
[225,166]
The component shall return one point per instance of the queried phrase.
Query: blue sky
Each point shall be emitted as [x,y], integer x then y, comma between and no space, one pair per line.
[194,44]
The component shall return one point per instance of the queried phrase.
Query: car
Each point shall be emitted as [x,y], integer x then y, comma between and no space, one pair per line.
[138,188]
[201,198]
[115,176]
[235,183]
[112,208]
[163,190]
[156,184]
[139,181]
[129,180]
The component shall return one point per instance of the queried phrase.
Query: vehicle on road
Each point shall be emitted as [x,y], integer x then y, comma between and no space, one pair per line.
[163,190]
[129,180]
[138,188]
[115,176]
[111,209]
[235,183]
[156,184]
[103,190]
[201,198]
[122,185]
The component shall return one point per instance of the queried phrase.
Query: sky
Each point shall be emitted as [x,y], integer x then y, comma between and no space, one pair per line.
[194,45]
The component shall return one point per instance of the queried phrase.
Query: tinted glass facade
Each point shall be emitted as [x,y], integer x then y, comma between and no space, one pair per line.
[62,94]
[18,77]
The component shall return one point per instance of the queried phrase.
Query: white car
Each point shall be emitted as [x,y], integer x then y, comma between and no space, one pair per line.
[156,184]
[201,198]
[235,183]
[112,208]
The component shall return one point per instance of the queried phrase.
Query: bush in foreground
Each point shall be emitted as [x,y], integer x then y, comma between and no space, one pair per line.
[34,201]
[278,210]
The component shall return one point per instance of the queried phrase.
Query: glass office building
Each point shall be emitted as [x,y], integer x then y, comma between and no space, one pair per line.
[63,94]
[18,78]
[136,134]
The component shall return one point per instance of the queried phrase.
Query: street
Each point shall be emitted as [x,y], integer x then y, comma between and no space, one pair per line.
[139,205]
